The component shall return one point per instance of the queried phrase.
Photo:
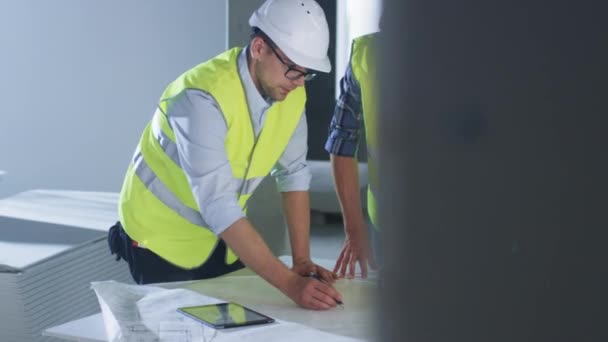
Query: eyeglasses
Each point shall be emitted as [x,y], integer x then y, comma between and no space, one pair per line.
[292,73]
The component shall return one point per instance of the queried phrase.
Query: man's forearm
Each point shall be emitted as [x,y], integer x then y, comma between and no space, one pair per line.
[249,246]
[346,179]
[296,205]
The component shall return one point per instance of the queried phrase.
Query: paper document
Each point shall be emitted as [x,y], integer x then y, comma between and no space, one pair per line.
[141,313]
[148,313]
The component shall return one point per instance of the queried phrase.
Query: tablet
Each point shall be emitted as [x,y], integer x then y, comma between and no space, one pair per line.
[225,315]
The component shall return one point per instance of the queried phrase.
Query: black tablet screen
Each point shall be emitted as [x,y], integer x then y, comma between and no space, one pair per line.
[225,315]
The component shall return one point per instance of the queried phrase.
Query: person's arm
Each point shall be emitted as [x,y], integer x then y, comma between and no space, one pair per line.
[356,245]
[342,144]
[255,254]
[293,175]
[296,205]
[200,131]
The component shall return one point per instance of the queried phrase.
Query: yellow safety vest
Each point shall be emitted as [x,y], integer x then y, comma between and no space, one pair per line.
[157,208]
[363,65]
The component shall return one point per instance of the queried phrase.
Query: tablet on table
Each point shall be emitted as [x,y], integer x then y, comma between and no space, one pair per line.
[225,315]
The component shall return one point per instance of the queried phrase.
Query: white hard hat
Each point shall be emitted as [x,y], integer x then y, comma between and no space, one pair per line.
[299,28]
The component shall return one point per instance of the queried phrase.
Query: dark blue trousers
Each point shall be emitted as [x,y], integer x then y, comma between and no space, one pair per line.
[147,267]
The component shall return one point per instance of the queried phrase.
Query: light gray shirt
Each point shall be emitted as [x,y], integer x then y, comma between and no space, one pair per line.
[200,131]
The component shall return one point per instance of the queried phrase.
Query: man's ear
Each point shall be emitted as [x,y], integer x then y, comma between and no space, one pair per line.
[256,48]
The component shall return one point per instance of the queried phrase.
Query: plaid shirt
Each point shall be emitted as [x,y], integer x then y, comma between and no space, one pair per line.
[347,121]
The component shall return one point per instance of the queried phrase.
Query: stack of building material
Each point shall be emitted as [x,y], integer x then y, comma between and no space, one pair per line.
[52,246]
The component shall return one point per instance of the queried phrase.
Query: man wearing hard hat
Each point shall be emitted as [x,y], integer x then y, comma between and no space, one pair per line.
[217,131]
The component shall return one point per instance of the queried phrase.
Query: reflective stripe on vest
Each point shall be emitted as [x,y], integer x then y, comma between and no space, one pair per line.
[246,186]
[153,183]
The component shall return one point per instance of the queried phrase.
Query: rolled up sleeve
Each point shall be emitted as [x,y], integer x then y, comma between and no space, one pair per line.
[291,171]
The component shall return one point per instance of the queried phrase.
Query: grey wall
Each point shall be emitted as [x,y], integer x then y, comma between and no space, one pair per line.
[239,12]
[81,79]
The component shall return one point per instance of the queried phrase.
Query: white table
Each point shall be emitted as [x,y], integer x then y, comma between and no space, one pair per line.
[244,287]
[89,329]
